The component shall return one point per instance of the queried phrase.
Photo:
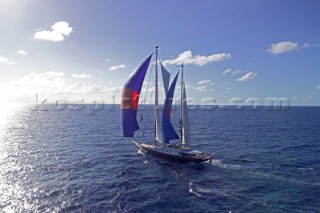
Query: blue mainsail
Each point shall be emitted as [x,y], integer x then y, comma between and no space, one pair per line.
[169,132]
[130,99]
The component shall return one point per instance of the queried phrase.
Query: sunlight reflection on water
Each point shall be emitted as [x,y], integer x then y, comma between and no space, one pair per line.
[9,186]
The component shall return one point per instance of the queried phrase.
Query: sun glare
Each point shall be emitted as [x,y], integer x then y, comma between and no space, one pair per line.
[6,108]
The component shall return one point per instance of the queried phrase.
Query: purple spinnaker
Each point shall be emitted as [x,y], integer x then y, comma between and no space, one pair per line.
[130,99]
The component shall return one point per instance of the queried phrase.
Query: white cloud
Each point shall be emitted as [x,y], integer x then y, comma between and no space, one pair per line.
[22,52]
[51,85]
[55,83]
[201,88]
[205,85]
[81,76]
[306,45]
[89,88]
[318,87]
[204,82]
[48,82]
[4,60]
[107,60]
[282,47]
[187,58]
[121,66]
[230,71]
[288,46]
[59,31]
[248,76]
[227,71]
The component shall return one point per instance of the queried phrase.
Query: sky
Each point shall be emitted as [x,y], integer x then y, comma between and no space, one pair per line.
[84,51]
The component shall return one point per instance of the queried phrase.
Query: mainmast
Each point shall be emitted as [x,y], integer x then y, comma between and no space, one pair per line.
[181,101]
[156,103]
[185,130]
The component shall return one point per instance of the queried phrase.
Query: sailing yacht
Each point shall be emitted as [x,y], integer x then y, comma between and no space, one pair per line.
[164,131]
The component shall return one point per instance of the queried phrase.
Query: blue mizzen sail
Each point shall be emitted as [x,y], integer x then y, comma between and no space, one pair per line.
[130,99]
[169,132]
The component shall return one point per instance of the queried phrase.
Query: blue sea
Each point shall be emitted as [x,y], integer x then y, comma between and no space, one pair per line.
[70,160]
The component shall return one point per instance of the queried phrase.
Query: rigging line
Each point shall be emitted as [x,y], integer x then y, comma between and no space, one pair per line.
[145,96]
[143,101]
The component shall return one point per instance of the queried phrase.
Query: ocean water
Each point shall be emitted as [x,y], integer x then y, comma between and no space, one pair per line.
[76,161]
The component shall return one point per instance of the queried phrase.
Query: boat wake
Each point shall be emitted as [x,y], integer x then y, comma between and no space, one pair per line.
[219,163]
[254,173]
[292,180]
